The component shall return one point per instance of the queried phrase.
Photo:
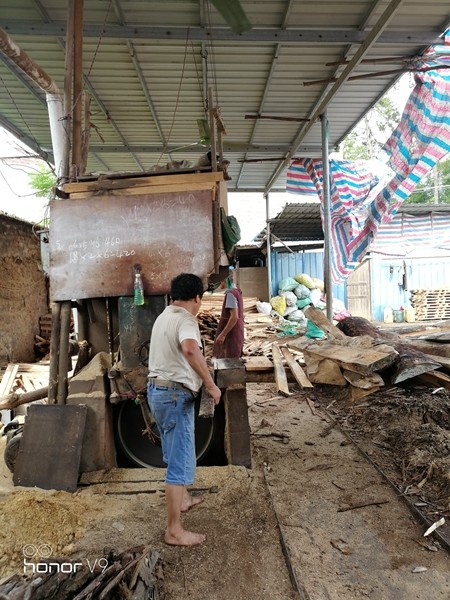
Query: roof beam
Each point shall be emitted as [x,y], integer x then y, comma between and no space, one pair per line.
[230,147]
[217,34]
[26,139]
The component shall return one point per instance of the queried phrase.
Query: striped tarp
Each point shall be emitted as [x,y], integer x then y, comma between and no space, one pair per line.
[421,139]
[408,232]
[351,184]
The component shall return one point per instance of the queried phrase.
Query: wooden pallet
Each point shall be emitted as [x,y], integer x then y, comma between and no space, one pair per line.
[431,305]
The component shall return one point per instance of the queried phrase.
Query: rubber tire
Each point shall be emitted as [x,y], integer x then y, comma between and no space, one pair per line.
[12,450]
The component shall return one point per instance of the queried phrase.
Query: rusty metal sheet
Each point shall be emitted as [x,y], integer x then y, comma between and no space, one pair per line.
[95,242]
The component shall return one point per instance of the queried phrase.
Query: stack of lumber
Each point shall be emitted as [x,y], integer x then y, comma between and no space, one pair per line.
[213,302]
[431,304]
[257,325]
[355,355]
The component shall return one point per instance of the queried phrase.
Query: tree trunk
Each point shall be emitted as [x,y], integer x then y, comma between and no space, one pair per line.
[411,360]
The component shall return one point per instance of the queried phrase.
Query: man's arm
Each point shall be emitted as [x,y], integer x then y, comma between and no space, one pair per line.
[197,361]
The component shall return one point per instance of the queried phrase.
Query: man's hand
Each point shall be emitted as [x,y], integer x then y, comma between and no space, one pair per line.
[214,392]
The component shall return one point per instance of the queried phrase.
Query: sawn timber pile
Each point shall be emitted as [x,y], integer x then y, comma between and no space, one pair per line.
[355,355]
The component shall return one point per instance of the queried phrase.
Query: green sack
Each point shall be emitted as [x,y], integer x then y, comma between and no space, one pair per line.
[303,302]
[231,232]
[312,331]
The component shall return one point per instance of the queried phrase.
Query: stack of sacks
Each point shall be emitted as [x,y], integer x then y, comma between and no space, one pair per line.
[295,293]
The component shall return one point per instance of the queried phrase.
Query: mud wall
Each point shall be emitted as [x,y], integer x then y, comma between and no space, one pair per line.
[23,290]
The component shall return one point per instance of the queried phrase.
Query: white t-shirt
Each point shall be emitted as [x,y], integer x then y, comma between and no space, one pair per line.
[166,359]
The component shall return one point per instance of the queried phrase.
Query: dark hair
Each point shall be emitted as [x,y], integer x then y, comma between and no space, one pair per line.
[186,287]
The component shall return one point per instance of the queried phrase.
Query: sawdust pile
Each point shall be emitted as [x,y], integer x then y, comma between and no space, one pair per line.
[35,523]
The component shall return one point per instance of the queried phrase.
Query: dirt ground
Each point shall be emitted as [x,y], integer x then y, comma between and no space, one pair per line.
[314,518]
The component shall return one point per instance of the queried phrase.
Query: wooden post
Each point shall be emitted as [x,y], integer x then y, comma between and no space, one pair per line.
[63,366]
[230,378]
[77,102]
[54,352]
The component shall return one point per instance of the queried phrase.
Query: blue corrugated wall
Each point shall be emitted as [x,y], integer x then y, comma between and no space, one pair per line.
[286,264]
[387,281]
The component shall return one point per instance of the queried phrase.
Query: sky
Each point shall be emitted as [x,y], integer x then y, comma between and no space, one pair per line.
[16,195]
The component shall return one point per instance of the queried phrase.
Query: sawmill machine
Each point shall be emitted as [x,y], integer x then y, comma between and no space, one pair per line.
[115,244]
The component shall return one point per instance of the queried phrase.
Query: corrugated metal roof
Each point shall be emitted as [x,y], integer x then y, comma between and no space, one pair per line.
[299,222]
[147,65]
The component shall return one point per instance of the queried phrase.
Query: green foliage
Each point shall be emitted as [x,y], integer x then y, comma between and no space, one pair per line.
[43,182]
[434,188]
[367,139]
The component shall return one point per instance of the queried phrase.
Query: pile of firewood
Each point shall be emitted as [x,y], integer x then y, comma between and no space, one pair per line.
[136,573]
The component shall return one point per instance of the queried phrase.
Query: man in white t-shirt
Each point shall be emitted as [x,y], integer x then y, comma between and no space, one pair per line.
[177,370]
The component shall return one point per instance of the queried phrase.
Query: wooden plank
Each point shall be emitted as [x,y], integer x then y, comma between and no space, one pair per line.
[323,370]
[206,408]
[318,318]
[50,449]
[156,180]
[435,379]
[296,369]
[280,374]
[258,363]
[8,379]
[444,361]
[127,487]
[356,393]
[364,382]
[175,187]
[360,360]
[116,475]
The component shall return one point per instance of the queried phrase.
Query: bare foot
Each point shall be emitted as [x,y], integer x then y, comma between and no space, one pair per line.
[184,538]
[190,501]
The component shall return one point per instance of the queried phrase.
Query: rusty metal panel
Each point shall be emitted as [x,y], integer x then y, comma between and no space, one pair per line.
[95,242]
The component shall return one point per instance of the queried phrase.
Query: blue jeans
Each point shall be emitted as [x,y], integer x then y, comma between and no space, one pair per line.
[173,410]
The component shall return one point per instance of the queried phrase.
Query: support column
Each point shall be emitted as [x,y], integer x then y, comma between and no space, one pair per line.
[268,249]
[326,207]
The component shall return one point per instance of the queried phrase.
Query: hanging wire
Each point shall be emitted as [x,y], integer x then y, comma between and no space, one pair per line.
[178,97]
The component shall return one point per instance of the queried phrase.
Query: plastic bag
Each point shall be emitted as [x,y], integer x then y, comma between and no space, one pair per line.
[301,303]
[305,279]
[263,307]
[289,310]
[318,283]
[301,291]
[312,331]
[278,303]
[297,315]
[291,298]
[287,285]
[315,296]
